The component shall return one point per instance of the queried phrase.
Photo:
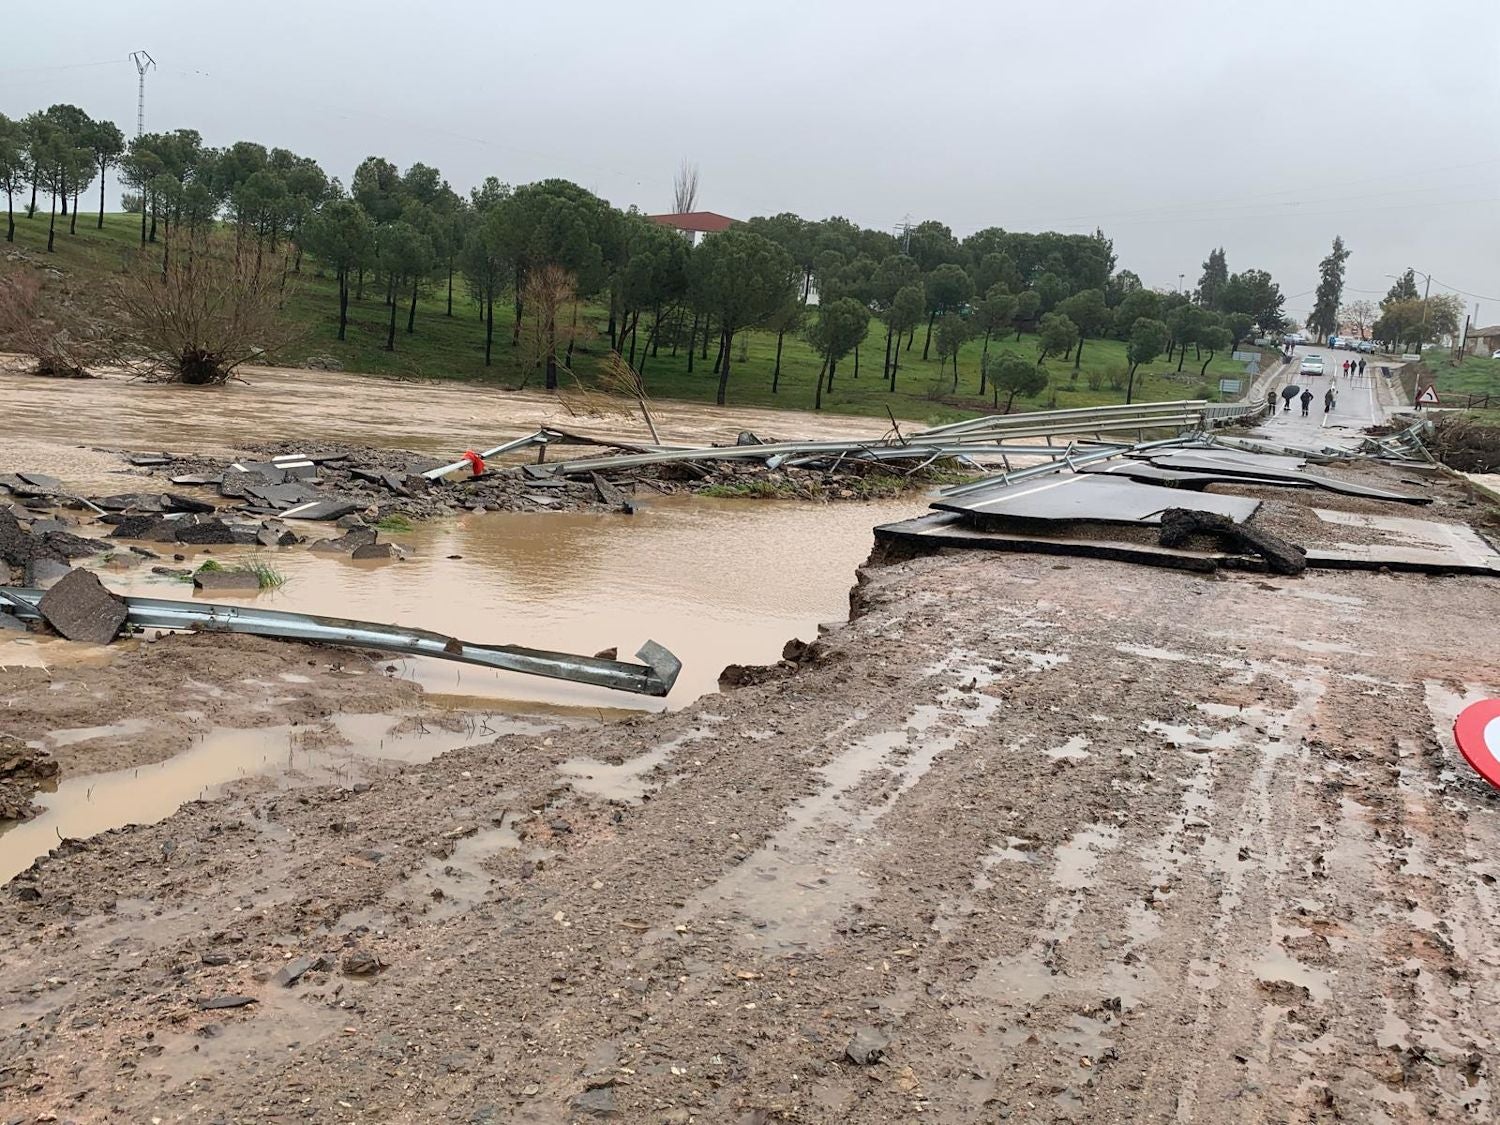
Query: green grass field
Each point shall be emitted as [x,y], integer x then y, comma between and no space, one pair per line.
[1473,375]
[453,347]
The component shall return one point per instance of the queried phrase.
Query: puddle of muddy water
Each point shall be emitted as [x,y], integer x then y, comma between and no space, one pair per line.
[717,581]
[87,804]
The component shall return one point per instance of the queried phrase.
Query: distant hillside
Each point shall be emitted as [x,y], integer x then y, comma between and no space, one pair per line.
[452,347]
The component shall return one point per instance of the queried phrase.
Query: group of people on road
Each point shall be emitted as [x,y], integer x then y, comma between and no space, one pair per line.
[1353,368]
[1330,397]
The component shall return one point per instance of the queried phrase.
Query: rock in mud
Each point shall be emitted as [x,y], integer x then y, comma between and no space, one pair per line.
[867,1047]
[362,963]
[225,580]
[293,971]
[22,768]
[209,531]
[81,609]
[349,542]
[599,1102]
[374,551]
[68,545]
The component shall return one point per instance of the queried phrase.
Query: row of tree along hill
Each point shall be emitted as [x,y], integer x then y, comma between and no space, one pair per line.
[554,252]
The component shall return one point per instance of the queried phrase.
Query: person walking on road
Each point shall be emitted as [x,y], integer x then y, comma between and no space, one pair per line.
[1307,397]
[1329,398]
[1361,368]
[1271,402]
[1346,367]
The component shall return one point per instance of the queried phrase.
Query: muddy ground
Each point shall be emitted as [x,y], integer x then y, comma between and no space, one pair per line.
[143,699]
[1035,840]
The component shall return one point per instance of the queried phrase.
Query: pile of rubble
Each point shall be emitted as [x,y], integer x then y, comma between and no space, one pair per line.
[328,483]
[22,770]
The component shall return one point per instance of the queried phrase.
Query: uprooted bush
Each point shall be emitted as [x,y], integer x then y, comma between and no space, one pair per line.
[1462,443]
[48,326]
[200,310]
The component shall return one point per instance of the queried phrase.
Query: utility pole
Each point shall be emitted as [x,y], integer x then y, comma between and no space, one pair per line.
[1422,332]
[903,230]
[143,62]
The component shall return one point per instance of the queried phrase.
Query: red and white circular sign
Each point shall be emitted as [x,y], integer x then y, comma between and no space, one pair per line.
[1477,732]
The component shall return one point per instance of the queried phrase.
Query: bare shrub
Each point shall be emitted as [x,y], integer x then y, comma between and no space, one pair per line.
[555,326]
[196,315]
[49,327]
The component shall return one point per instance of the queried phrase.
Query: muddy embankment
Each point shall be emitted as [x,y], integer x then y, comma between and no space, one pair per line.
[1027,839]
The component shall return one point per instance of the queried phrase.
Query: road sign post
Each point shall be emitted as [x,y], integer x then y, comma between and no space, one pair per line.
[1427,396]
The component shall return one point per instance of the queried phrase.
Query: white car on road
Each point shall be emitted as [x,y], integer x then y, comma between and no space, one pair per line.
[1311,365]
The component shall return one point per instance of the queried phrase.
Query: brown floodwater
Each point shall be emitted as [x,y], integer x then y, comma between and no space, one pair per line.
[716,581]
[60,426]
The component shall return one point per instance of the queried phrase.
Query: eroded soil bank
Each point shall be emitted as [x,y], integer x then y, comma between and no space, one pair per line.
[1063,840]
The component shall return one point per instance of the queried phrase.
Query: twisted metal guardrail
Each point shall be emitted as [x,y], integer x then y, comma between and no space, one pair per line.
[654,677]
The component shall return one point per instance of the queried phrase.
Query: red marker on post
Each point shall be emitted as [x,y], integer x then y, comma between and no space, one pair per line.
[1477,732]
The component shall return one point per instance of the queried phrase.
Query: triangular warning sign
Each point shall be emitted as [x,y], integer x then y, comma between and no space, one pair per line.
[1427,396]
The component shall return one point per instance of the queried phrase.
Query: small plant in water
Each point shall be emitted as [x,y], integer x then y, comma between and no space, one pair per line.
[268,576]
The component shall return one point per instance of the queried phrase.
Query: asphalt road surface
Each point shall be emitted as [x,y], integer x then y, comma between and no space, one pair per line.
[1360,401]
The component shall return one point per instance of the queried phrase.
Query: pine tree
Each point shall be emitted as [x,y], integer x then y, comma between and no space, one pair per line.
[1325,314]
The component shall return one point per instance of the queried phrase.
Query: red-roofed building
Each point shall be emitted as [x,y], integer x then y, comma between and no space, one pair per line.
[693,225]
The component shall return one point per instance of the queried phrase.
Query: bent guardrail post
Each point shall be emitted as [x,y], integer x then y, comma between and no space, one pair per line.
[653,677]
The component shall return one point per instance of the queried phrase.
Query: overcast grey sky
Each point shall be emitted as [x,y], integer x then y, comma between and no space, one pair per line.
[1176,125]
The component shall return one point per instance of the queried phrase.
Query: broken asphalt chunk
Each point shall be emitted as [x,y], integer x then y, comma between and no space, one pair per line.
[271,537]
[42,481]
[607,493]
[214,1003]
[81,609]
[208,531]
[176,502]
[320,510]
[43,573]
[224,581]
[293,971]
[142,527]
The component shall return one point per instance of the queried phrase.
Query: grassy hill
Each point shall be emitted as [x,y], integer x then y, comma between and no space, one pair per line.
[453,347]
[1472,375]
